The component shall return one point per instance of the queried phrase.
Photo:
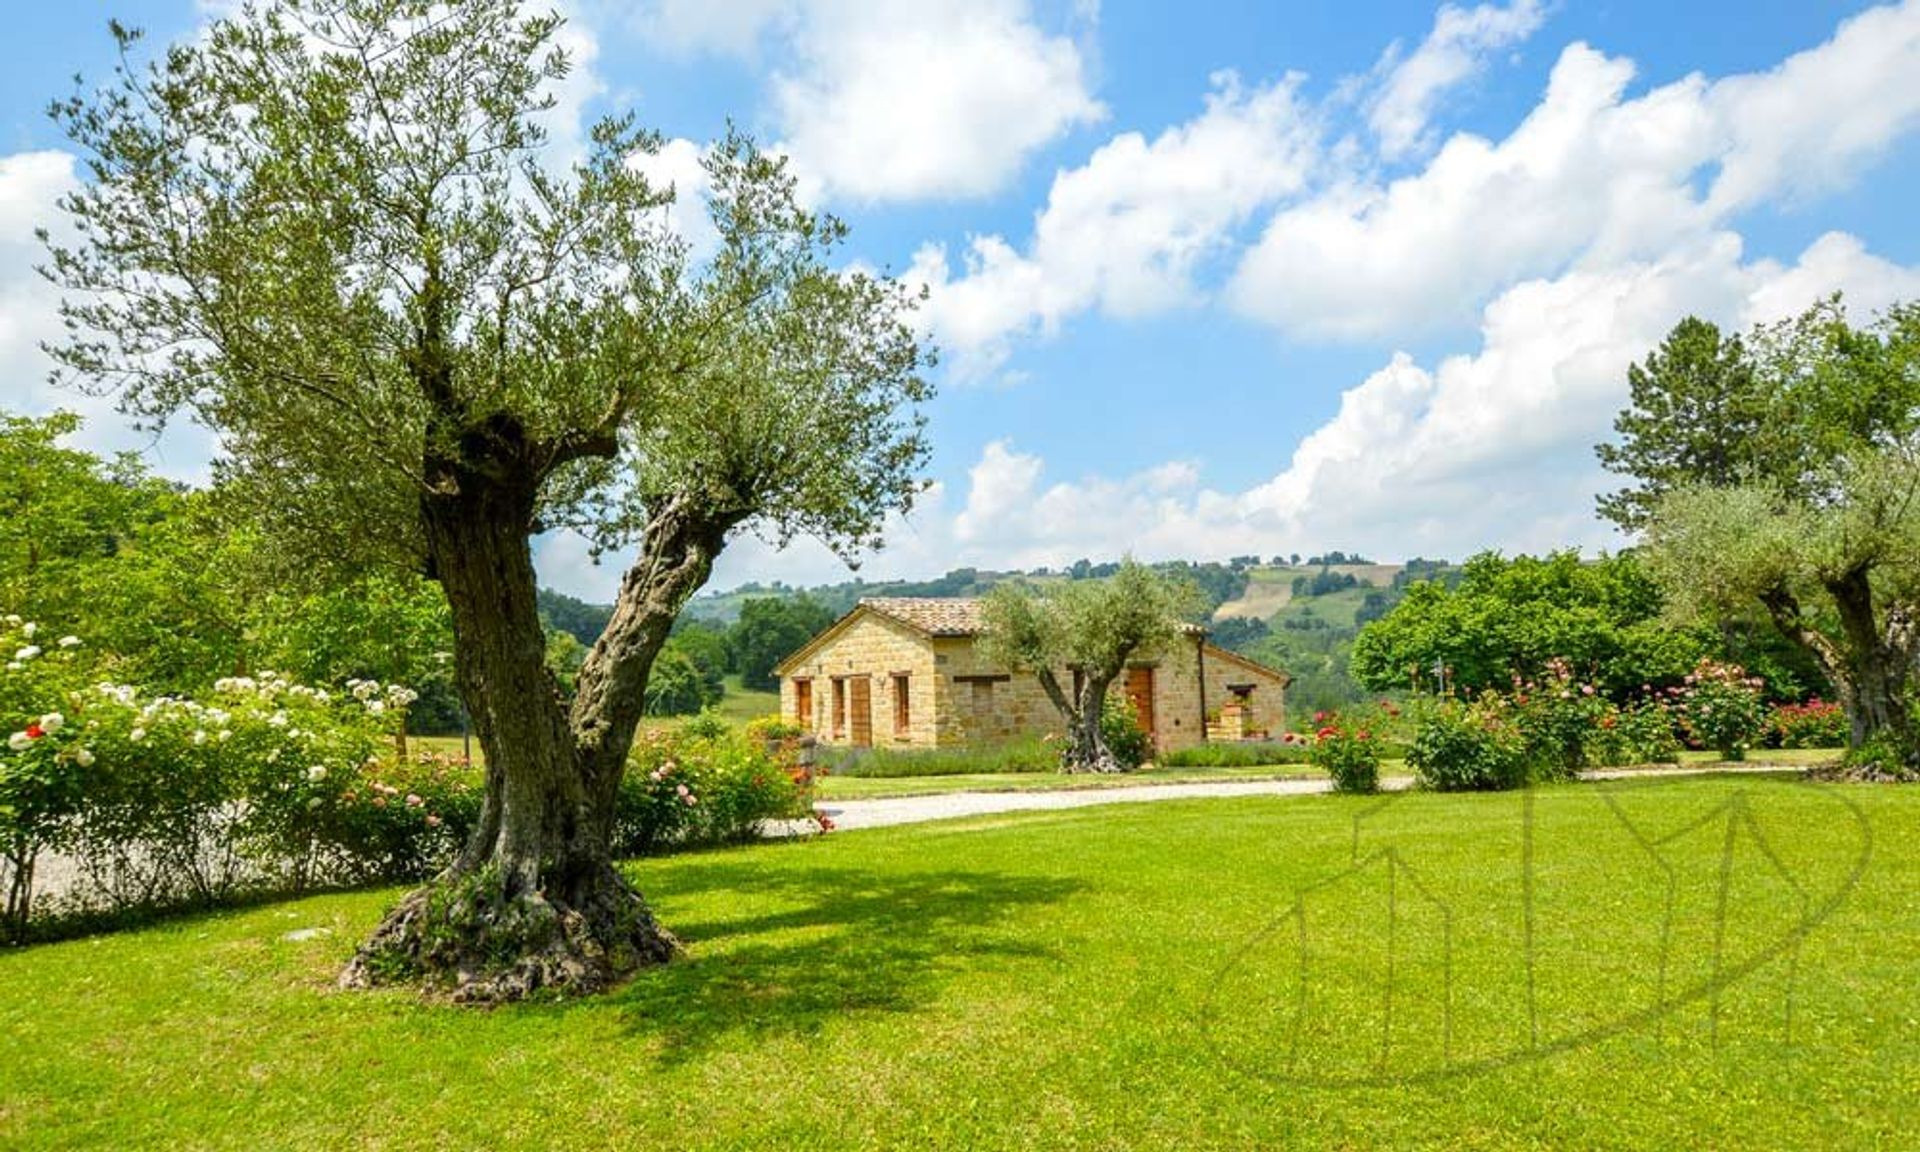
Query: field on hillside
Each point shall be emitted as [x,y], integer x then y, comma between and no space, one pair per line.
[1725,962]
[1270,589]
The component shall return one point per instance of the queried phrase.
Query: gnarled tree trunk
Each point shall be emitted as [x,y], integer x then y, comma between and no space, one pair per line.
[1086,745]
[1869,668]
[534,901]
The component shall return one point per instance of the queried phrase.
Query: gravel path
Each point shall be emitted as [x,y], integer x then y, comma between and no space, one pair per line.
[848,815]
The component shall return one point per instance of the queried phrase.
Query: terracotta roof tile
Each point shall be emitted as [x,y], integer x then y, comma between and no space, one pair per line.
[936,616]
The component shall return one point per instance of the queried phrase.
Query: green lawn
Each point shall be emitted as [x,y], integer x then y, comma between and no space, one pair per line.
[1101,978]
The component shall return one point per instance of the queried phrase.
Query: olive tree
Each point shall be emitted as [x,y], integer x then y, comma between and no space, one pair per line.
[335,232]
[1090,630]
[1816,524]
[1839,576]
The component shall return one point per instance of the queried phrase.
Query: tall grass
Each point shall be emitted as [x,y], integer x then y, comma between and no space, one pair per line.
[1250,754]
[1025,755]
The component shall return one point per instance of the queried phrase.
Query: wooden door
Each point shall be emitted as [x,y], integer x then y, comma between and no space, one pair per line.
[861,703]
[803,704]
[1140,695]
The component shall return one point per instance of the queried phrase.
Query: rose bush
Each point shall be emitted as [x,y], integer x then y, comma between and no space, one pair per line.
[1345,748]
[1815,724]
[1719,707]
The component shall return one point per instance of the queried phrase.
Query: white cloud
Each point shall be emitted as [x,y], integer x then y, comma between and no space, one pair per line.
[1492,449]
[1590,178]
[733,27]
[30,185]
[1127,231]
[678,165]
[881,101]
[1458,46]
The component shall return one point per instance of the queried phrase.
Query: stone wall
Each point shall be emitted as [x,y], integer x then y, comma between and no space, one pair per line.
[872,647]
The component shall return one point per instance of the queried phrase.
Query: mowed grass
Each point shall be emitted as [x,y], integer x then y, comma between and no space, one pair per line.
[1717,962]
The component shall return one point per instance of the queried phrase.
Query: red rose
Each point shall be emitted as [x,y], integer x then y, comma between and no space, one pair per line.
[34,732]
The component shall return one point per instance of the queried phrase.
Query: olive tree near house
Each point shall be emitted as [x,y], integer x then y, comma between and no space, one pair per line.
[1089,630]
[333,231]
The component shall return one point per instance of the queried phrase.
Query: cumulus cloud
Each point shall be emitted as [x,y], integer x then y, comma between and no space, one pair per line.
[1459,45]
[31,183]
[882,101]
[1591,177]
[1127,231]
[1492,448]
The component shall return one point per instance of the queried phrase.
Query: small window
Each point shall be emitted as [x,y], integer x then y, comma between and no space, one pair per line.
[982,699]
[902,709]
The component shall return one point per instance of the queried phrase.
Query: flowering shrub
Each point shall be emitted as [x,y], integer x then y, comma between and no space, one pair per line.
[46,763]
[1477,747]
[1345,749]
[393,819]
[1640,734]
[1816,724]
[1559,719]
[164,800]
[706,784]
[1720,708]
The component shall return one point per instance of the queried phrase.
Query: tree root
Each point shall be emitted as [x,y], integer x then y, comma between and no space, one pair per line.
[469,940]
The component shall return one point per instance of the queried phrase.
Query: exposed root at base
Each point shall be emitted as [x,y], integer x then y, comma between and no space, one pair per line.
[468,940]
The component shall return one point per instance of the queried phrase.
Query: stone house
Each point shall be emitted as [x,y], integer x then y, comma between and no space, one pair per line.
[904,673]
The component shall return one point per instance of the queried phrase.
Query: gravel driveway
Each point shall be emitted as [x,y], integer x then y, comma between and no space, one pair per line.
[848,815]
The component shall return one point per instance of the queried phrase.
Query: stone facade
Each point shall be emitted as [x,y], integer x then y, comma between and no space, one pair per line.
[923,685]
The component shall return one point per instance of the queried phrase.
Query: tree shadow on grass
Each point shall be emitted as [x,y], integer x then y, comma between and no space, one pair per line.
[838,942]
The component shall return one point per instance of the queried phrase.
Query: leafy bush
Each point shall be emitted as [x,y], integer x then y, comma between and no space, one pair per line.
[700,786]
[1720,708]
[1881,758]
[1345,749]
[1469,748]
[1122,732]
[1816,724]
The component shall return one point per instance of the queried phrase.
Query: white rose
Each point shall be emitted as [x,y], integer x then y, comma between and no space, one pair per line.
[317,773]
[137,735]
[19,741]
[199,736]
[28,629]
[83,757]
[224,735]
[52,722]
[69,641]
[27,653]
[375,707]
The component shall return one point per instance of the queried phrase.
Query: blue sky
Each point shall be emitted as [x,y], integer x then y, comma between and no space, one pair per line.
[1235,277]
